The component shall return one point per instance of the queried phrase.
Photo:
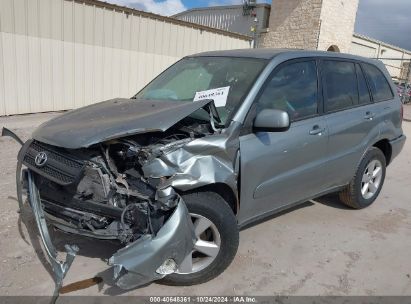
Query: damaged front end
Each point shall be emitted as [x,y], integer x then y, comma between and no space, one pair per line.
[150,258]
[127,189]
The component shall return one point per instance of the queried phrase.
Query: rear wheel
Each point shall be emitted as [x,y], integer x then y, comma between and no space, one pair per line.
[367,182]
[216,230]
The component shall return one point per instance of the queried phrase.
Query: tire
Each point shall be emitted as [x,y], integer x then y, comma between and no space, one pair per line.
[213,207]
[353,195]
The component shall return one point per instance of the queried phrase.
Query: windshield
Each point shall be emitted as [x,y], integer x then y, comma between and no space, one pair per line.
[226,80]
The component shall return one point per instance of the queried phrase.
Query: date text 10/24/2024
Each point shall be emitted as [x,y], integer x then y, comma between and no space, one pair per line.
[203,299]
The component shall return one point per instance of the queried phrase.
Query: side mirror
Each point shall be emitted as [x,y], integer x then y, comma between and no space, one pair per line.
[271,120]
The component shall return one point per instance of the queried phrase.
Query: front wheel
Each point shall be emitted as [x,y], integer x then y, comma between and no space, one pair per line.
[217,235]
[367,182]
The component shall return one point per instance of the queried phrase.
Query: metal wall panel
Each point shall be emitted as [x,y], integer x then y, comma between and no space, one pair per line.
[231,18]
[2,88]
[64,54]
[368,47]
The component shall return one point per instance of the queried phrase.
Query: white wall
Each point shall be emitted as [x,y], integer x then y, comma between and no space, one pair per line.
[62,54]
[371,48]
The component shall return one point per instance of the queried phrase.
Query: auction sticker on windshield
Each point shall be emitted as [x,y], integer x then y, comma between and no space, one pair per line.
[219,95]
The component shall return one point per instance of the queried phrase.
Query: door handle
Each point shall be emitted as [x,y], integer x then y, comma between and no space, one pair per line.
[316,130]
[369,115]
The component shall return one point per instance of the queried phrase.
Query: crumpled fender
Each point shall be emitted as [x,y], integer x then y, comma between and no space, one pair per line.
[137,263]
[203,161]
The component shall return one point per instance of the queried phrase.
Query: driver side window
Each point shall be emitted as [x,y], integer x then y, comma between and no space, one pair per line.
[292,88]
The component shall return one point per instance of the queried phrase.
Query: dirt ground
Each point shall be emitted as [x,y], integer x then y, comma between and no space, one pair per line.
[320,248]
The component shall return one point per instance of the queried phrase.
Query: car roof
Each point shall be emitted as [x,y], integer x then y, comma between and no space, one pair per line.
[263,53]
[269,53]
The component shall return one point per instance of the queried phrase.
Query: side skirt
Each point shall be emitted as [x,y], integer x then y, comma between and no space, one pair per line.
[268,214]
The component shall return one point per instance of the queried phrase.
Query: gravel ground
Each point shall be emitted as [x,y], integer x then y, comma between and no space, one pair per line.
[320,248]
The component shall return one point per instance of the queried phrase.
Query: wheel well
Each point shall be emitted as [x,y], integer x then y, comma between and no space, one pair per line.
[385,147]
[221,189]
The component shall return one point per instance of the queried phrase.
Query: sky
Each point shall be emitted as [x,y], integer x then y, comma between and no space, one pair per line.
[385,20]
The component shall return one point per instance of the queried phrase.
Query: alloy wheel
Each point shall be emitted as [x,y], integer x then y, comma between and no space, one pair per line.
[206,247]
[371,179]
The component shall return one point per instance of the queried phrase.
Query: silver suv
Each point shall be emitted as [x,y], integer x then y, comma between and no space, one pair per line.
[215,142]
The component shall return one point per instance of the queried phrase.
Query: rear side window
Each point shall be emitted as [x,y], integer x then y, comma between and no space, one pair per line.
[380,87]
[340,85]
[363,93]
[292,88]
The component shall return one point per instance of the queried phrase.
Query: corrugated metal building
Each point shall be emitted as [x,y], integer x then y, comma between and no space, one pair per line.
[233,18]
[64,54]
[372,48]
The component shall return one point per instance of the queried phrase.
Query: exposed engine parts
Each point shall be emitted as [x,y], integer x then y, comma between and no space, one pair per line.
[102,191]
[123,182]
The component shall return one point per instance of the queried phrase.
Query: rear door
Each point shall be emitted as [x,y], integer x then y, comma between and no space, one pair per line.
[350,116]
[281,168]
[387,110]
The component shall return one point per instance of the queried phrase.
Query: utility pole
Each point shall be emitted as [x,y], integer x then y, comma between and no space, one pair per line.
[254,29]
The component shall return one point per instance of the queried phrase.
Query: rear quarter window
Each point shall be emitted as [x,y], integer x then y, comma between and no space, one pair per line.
[380,88]
[363,94]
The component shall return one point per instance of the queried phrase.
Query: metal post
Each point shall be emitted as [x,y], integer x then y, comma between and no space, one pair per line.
[405,92]
[255,32]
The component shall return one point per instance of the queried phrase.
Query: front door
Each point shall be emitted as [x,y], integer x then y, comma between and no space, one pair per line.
[282,168]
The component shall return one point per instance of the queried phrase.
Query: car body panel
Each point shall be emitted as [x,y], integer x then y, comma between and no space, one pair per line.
[350,134]
[389,118]
[110,119]
[60,268]
[142,258]
[268,171]
[277,171]
[201,162]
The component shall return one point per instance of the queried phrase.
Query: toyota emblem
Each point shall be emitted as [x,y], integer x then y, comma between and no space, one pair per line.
[41,159]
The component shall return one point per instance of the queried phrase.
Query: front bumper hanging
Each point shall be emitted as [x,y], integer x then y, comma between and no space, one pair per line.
[147,259]
[60,268]
[143,261]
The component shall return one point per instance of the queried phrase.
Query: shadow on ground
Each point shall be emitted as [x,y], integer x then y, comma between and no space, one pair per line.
[332,200]
[104,249]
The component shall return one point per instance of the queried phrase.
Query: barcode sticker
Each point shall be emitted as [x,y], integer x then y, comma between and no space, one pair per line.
[219,95]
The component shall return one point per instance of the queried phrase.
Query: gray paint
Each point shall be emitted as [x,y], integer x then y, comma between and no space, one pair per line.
[140,259]
[264,53]
[271,120]
[201,162]
[277,57]
[281,168]
[112,119]
[276,169]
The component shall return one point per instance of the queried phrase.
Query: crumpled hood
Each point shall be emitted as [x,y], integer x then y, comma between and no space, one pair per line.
[114,118]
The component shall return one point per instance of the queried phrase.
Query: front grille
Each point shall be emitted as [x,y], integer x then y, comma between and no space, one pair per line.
[60,167]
